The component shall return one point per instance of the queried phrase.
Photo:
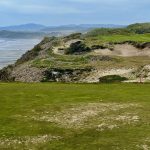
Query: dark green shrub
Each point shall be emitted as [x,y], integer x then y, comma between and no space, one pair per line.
[77,47]
[139,28]
[112,79]
[73,36]
[5,74]
[29,55]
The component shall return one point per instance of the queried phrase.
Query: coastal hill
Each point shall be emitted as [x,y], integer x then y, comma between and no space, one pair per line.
[100,55]
[32,30]
[24,27]
[32,27]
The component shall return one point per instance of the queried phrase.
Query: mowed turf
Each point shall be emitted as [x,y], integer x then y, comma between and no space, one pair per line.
[102,39]
[54,116]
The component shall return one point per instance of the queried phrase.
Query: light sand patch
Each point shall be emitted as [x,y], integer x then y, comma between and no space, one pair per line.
[128,118]
[145,147]
[96,74]
[145,144]
[26,141]
[60,49]
[89,115]
[106,126]
[125,50]
[103,52]
[112,121]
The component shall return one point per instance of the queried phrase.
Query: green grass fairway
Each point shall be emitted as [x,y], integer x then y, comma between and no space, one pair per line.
[121,38]
[51,116]
[102,39]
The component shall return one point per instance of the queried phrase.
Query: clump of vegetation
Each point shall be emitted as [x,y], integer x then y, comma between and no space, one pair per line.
[37,48]
[5,74]
[112,79]
[73,36]
[55,41]
[103,46]
[107,31]
[142,72]
[77,47]
[48,39]
[139,33]
[63,62]
[139,28]
[93,47]
[29,55]
[101,58]
[64,74]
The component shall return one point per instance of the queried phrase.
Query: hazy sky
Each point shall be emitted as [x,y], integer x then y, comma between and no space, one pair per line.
[59,12]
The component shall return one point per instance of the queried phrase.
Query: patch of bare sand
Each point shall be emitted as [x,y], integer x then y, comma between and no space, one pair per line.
[60,50]
[96,74]
[125,50]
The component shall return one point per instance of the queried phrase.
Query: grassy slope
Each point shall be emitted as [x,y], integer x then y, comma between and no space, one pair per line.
[96,37]
[101,39]
[83,61]
[121,38]
[120,62]
[135,32]
[21,99]
[62,61]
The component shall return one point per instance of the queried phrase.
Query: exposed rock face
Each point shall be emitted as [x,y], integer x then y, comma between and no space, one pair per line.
[27,73]
[66,75]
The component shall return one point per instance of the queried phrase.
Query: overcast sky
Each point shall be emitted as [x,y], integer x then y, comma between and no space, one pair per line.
[60,12]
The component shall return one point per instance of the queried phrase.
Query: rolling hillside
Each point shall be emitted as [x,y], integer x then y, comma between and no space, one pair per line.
[121,54]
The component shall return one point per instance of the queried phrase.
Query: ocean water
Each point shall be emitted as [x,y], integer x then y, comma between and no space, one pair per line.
[12,49]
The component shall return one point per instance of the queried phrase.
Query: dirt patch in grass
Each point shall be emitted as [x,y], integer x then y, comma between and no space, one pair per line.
[26,142]
[92,115]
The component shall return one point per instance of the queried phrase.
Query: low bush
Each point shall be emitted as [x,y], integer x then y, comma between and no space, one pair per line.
[112,79]
[77,47]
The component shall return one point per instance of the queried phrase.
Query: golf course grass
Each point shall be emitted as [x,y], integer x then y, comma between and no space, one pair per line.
[56,116]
